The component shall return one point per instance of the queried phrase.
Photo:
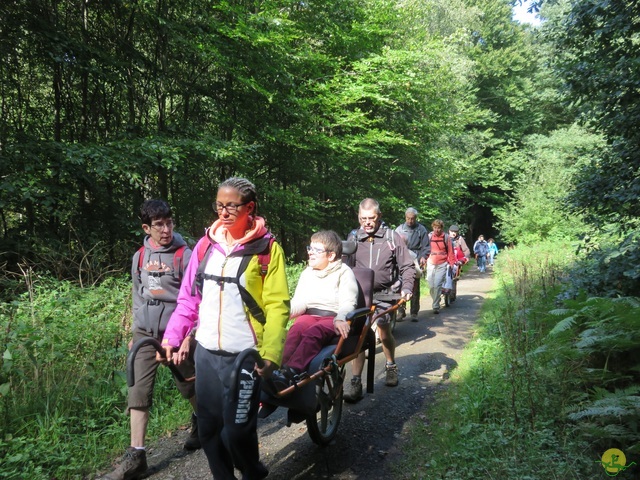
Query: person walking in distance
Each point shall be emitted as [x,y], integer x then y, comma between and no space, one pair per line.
[416,238]
[382,250]
[440,254]
[157,271]
[461,254]
[481,251]
[458,240]
[493,251]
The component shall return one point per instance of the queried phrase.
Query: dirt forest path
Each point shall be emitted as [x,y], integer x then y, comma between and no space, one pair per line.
[370,435]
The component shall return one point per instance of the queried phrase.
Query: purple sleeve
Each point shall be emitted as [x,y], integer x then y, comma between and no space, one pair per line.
[185,317]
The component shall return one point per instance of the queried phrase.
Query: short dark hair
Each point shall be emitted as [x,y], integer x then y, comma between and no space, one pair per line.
[330,240]
[154,209]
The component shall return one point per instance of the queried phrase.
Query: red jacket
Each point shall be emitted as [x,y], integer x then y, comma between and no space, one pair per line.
[441,249]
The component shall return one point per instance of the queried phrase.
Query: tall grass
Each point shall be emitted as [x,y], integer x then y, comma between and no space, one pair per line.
[62,380]
[63,391]
[508,410]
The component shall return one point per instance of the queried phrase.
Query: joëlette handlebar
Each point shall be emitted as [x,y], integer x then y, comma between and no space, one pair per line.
[393,307]
[131,357]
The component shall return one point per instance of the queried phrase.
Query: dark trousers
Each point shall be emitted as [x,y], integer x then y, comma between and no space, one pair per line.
[227,427]
[415,296]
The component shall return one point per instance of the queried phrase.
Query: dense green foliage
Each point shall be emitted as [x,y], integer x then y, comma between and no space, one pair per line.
[62,377]
[546,386]
[597,52]
[63,380]
[548,167]
[105,104]
[526,134]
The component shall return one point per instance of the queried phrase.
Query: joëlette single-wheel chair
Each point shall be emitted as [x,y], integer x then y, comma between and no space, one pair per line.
[317,397]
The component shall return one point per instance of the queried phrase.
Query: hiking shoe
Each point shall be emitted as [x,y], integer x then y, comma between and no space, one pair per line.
[414,317]
[401,314]
[354,392]
[132,464]
[436,311]
[392,375]
[193,441]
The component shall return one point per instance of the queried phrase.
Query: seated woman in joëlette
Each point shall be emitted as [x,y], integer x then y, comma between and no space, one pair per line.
[326,292]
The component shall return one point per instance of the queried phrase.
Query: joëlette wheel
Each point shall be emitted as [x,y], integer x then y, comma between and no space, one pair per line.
[323,426]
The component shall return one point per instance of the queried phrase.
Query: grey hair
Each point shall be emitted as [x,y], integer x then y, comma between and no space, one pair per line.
[411,211]
[370,204]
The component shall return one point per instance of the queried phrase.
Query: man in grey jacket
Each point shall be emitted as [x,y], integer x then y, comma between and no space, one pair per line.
[417,239]
[385,252]
[156,272]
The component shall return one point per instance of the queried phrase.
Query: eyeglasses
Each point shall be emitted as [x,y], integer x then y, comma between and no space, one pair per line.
[162,225]
[315,250]
[230,208]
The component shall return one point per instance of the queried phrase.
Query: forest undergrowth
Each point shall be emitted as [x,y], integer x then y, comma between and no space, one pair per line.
[546,388]
[63,389]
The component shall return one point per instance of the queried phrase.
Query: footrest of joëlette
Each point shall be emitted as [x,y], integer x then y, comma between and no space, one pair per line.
[302,398]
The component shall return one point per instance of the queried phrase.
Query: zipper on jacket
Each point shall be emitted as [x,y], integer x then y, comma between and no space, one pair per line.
[221,295]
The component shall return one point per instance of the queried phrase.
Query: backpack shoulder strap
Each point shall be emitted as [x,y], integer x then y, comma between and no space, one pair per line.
[264,258]
[203,251]
[178,267]
[140,257]
[141,252]
[203,248]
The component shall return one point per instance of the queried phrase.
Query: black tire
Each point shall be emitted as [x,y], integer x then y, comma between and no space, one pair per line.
[323,426]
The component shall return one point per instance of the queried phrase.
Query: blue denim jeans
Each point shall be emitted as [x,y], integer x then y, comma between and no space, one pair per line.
[482,262]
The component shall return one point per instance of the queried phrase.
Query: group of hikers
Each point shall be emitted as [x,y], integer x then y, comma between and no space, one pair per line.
[485,251]
[230,293]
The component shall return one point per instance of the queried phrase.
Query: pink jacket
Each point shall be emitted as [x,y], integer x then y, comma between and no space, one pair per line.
[222,320]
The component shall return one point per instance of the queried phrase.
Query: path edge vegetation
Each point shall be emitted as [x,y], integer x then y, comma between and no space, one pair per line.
[63,391]
[547,384]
